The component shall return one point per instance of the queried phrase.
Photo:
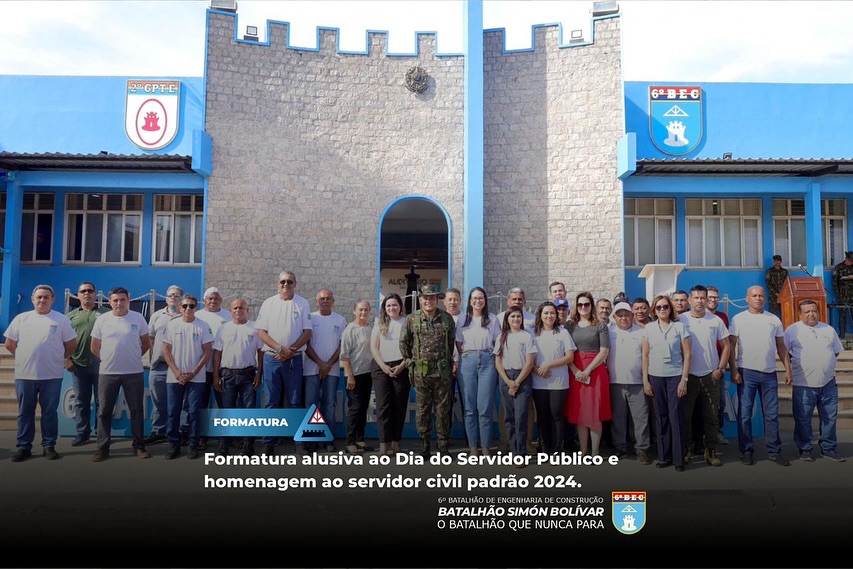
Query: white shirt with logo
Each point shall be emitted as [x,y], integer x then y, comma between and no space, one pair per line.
[121,348]
[756,339]
[284,320]
[814,353]
[187,340]
[327,333]
[239,344]
[40,353]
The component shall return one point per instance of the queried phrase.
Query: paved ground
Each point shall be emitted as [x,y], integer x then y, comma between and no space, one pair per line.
[127,512]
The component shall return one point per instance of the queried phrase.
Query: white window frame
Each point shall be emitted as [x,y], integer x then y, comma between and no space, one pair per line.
[657,217]
[195,213]
[828,260]
[38,210]
[707,215]
[86,211]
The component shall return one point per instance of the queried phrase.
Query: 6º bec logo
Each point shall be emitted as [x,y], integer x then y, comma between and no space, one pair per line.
[629,511]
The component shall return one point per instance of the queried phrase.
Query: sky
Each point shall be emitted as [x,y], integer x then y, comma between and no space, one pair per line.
[675,40]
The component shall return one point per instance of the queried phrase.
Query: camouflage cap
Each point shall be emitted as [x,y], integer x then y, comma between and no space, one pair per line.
[430,290]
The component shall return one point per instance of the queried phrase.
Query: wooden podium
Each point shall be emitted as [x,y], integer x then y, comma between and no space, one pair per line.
[795,289]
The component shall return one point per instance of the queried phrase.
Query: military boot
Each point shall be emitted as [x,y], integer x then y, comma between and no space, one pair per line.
[425,447]
[711,458]
[443,448]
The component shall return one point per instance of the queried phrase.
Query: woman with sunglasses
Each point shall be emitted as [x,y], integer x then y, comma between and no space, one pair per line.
[588,403]
[666,362]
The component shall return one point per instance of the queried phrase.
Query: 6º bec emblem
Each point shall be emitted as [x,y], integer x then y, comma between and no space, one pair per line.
[151,113]
[629,511]
[675,118]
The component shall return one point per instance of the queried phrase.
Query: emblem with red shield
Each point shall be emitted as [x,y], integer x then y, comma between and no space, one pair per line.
[151,113]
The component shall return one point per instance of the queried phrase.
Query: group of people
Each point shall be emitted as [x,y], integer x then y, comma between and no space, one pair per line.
[631,370]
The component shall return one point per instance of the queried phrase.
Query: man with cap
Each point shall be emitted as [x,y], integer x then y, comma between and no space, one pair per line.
[774,278]
[426,343]
[627,399]
[842,285]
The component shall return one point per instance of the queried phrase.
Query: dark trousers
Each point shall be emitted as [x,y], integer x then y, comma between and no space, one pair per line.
[706,390]
[669,418]
[392,402]
[357,402]
[133,385]
[549,404]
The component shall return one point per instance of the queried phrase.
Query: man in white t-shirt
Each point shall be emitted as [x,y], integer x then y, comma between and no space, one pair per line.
[215,316]
[119,339]
[515,297]
[813,348]
[755,337]
[238,364]
[40,340]
[627,399]
[187,345]
[158,369]
[707,368]
[321,368]
[284,329]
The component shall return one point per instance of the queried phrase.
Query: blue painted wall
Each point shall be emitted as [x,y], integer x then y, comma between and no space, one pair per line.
[755,121]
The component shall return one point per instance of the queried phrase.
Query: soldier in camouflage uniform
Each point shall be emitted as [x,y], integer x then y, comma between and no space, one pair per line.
[427,342]
[842,284]
[774,278]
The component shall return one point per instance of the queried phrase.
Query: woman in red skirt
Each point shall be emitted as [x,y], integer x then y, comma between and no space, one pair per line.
[588,403]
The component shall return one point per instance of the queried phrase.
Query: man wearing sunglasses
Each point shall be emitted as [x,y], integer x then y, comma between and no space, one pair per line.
[187,344]
[158,368]
[284,327]
[82,365]
[120,339]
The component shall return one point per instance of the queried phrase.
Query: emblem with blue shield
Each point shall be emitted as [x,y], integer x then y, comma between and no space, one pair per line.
[629,511]
[675,118]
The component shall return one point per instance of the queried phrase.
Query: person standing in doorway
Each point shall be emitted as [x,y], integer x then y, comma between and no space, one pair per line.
[774,278]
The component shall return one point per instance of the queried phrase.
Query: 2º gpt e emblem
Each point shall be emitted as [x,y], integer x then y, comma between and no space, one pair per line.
[675,118]
[629,511]
[151,113]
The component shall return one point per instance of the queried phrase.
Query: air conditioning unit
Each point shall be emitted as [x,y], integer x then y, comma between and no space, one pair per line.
[224,5]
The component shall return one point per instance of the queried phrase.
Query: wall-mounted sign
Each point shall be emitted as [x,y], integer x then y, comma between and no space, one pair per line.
[151,113]
[675,118]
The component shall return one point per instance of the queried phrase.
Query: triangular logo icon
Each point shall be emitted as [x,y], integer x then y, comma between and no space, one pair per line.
[313,428]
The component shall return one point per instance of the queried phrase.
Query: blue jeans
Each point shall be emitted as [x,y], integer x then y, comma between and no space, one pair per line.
[45,393]
[804,400]
[323,393]
[238,392]
[85,383]
[282,386]
[478,379]
[157,388]
[516,410]
[175,393]
[766,385]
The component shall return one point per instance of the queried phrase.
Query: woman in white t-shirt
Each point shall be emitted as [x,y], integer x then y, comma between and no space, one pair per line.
[554,350]
[476,334]
[514,360]
[390,374]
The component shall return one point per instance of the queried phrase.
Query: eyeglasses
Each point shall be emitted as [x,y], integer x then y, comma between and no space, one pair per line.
[86,291]
[584,304]
[188,306]
[173,295]
[287,282]
[662,307]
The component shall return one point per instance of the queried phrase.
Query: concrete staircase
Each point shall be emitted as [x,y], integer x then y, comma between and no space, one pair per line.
[8,401]
[844,379]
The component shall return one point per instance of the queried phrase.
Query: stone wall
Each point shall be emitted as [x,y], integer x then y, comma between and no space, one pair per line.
[553,203]
[310,147]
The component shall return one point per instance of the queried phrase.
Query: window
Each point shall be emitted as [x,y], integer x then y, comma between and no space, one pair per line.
[103,228]
[789,230]
[178,229]
[723,233]
[37,228]
[649,231]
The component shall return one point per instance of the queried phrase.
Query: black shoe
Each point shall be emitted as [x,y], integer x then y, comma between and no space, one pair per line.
[185,439]
[665,464]
[100,455]
[443,449]
[22,455]
[424,448]
[747,459]
[50,453]
[779,459]
[679,468]
[269,450]
[202,443]
[173,452]
[194,453]
[80,440]
[621,454]
[154,438]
